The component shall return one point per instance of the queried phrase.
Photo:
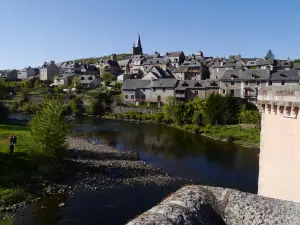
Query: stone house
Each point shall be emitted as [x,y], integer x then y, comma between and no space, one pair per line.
[63,80]
[124,66]
[218,69]
[266,64]
[181,73]
[11,75]
[48,70]
[109,66]
[284,77]
[296,66]
[175,58]
[149,91]
[89,81]
[150,62]
[156,72]
[136,65]
[189,89]
[196,71]
[26,73]
[243,83]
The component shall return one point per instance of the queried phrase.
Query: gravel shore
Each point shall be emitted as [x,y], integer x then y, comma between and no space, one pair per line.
[98,165]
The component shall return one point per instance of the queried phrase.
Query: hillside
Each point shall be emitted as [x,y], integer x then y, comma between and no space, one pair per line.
[96,59]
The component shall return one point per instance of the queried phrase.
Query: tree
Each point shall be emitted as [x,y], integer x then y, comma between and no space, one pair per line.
[48,128]
[77,106]
[75,81]
[108,77]
[270,55]
[118,85]
[169,107]
[36,84]
[96,107]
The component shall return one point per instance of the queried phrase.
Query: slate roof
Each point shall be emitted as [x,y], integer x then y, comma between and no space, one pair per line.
[173,54]
[87,79]
[153,61]
[235,57]
[160,73]
[195,63]
[262,62]
[124,62]
[285,75]
[196,84]
[133,84]
[241,75]
[164,83]
[296,65]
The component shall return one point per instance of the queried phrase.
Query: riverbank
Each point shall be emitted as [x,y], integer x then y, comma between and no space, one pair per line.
[91,166]
[244,135]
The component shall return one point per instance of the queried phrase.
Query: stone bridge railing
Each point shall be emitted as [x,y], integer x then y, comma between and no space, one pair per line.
[213,206]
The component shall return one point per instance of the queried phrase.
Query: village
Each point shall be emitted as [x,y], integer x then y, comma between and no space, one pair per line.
[152,78]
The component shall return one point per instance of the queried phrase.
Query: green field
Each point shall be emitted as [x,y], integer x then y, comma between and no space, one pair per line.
[15,169]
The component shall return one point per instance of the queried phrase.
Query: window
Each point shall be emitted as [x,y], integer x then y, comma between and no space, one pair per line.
[144,89]
[216,77]
[282,82]
[196,92]
[232,92]
[158,98]
[224,91]
[154,89]
[270,82]
[164,89]
[126,96]
[232,83]
[247,83]
[258,83]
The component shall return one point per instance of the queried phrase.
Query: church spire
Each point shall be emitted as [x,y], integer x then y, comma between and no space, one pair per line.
[138,42]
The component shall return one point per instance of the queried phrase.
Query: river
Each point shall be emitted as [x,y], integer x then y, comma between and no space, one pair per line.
[179,153]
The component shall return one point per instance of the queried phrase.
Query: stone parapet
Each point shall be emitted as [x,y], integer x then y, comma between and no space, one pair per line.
[284,100]
[212,205]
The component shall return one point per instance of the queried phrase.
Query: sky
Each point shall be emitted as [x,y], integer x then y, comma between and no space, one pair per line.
[34,31]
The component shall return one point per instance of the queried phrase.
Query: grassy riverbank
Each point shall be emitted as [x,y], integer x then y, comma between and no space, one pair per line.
[244,135]
[15,169]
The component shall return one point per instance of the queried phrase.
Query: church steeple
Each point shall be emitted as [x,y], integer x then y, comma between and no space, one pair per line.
[138,42]
[137,48]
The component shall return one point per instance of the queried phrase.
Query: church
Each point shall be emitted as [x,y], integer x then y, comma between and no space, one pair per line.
[137,48]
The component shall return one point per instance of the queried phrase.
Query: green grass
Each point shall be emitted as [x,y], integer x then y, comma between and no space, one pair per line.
[15,169]
[8,219]
[240,135]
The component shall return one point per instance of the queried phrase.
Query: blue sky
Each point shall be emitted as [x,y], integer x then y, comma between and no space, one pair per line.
[35,31]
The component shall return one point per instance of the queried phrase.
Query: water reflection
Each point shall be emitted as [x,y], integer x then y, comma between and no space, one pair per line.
[180,153]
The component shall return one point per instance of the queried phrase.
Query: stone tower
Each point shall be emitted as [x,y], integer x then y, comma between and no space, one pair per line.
[137,48]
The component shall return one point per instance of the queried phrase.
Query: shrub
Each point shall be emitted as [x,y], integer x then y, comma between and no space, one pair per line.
[96,108]
[159,117]
[48,129]
[195,129]
[77,106]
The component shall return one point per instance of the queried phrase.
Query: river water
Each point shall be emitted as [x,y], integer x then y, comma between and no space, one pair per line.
[179,153]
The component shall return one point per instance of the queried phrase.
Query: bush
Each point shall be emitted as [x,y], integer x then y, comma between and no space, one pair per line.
[159,117]
[195,129]
[48,129]
[96,108]
[77,106]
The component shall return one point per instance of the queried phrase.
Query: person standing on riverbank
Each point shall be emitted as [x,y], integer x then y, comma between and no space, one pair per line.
[14,141]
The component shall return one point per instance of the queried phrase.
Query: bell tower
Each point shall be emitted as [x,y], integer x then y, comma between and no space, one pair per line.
[137,48]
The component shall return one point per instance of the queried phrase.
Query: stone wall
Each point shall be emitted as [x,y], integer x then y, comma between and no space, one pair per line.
[123,109]
[217,206]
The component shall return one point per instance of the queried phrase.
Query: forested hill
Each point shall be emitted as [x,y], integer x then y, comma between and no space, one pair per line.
[94,60]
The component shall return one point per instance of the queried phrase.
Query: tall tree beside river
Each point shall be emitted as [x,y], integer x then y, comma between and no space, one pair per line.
[48,128]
